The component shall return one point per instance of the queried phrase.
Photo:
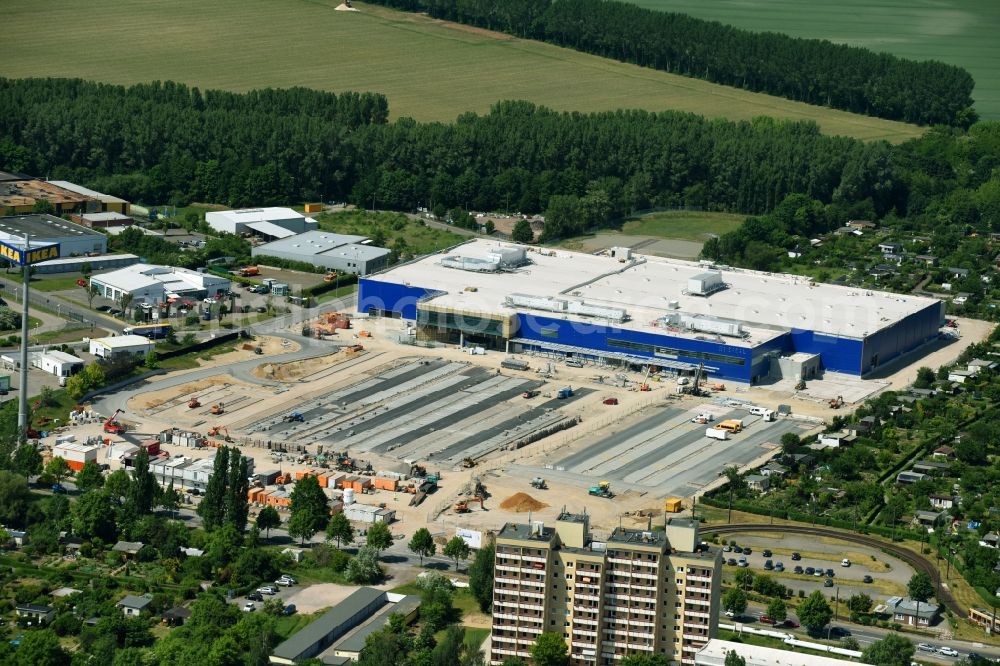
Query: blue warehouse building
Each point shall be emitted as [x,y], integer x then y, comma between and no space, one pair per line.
[626,309]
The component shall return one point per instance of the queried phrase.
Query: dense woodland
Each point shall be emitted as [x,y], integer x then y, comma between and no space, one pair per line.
[169,143]
[806,70]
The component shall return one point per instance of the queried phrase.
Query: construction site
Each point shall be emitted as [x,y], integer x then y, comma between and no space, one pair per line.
[445,436]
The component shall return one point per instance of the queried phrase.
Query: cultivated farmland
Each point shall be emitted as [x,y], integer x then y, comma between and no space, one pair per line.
[958,32]
[428,69]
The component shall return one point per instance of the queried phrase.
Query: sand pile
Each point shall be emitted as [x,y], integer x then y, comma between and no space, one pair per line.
[522,502]
[294,370]
[345,7]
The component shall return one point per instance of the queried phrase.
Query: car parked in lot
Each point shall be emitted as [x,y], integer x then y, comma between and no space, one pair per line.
[288,610]
[796,557]
[289,577]
[791,624]
[255,596]
[768,565]
[731,561]
[766,553]
[284,582]
[727,549]
[58,489]
[268,589]
[737,549]
[249,606]
[810,571]
[765,619]
[818,573]
[829,573]
[778,566]
[828,582]
[743,562]
[798,569]
[747,551]
[730,613]
[947,651]
[867,579]
[845,562]
[926,647]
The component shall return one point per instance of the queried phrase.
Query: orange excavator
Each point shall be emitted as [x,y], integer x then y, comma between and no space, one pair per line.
[112,426]
[219,408]
[462,506]
[193,403]
[837,402]
[219,430]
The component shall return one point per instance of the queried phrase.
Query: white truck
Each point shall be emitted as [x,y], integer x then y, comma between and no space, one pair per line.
[717,433]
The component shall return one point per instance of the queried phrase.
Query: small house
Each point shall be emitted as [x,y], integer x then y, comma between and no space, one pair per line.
[910,477]
[866,424]
[928,519]
[959,376]
[128,548]
[957,273]
[861,224]
[990,540]
[944,453]
[35,612]
[975,365]
[774,469]
[943,502]
[132,606]
[834,440]
[927,259]
[176,616]
[910,612]
[758,482]
[890,248]
[931,467]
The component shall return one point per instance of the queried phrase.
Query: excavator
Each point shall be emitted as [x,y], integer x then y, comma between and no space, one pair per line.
[193,403]
[462,506]
[219,430]
[219,408]
[837,402]
[112,426]
[330,277]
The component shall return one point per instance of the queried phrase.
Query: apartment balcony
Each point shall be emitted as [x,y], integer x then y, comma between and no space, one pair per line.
[698,602]
[700,579]
[586,633]
[696,613]
[585,620]
[534,558]
[586,597]
[691,589]
[579,644]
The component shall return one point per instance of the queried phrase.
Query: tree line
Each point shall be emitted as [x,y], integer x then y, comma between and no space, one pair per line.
[581,170]
[806,70]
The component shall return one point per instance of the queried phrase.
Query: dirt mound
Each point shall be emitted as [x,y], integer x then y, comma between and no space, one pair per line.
[522,502]
[295,370]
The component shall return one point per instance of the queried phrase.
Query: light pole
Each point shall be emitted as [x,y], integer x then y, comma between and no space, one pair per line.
[22,398]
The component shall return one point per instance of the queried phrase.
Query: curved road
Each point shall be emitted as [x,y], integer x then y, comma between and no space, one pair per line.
[918,562]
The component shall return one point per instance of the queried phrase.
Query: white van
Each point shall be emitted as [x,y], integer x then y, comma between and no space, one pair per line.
[763,412]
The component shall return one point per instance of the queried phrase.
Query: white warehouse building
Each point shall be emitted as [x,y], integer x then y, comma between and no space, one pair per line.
[153,284]
[273,222]
[118,345]
[73,239]
[336,252]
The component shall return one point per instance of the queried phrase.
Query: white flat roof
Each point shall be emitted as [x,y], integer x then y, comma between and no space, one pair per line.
[106,217]
[271,229]
[62,357]
[143,276]
[714,654]
[82,260]
[247,215]
[766,304]
[124,341]
[75,446]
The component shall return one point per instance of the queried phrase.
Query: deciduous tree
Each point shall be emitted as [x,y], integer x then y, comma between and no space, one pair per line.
[340,529]
[267,520]
[422,544]
[457,550]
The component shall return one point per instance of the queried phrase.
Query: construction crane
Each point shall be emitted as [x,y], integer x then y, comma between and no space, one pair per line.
[112,426]
[644,386]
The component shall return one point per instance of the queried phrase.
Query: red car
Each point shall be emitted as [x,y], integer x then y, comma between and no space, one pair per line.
[767,620]
[791,624]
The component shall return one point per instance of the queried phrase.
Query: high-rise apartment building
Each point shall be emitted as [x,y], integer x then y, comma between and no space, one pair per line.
[652,591]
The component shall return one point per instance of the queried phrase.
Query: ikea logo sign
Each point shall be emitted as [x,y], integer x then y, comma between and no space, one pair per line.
[20,257]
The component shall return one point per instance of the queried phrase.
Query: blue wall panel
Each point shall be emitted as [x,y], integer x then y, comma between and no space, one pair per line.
[903,336]
[838,354]
[390,297]
[594,336]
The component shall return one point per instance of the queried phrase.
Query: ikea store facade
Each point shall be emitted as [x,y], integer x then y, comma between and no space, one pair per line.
[626,309]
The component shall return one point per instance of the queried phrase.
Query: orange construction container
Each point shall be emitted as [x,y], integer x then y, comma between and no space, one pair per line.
[322,479]
[302,473]
[381,483]
[314,208]
[361,484]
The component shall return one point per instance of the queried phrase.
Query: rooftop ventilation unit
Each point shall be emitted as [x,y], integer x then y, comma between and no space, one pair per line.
[705,324]
[705,284]
[471,264]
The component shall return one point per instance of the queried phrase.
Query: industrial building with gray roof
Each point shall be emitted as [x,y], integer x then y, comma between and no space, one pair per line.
[336,252]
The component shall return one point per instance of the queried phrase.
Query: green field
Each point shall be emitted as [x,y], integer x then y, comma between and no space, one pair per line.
[958,32]
[428,69]
[682,224]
